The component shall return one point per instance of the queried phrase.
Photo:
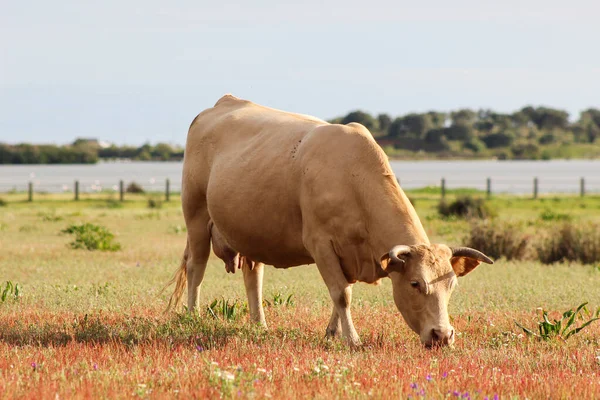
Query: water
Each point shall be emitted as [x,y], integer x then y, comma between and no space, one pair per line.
[555,176]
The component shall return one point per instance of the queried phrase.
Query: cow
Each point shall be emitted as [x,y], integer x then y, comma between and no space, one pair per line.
[271,187]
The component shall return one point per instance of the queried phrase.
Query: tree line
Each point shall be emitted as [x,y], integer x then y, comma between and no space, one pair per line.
[85,151]
[531,132]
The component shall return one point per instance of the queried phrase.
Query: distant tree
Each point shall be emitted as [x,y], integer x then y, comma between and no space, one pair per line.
[474,145]
[464,116]
[546,118]
[500,139]
[361,117]
[384,121]
[411,125]
[438,119]
[460,131]
[434,136]
[162,151]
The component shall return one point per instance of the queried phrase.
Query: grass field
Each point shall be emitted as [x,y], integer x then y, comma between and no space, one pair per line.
[90,324]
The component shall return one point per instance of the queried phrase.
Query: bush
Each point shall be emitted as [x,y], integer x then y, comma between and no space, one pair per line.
[498,240]
[549,215]
[92,237]
[571,243]
[3,202]
[466,207]
[134,188]
[154,203]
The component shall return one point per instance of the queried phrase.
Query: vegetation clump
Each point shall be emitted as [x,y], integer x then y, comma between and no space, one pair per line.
[92,237]
[498,239]
[562,328]
[134,187]
[570,243]
[466,207]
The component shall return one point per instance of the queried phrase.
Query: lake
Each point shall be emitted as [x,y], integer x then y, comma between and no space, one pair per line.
[555,176]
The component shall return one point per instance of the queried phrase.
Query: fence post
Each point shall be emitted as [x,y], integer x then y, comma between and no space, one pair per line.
[30,190]
[167,190]
[443,188]
[76,190]
[489,187]
[535,187]
[121,190]
[582,186]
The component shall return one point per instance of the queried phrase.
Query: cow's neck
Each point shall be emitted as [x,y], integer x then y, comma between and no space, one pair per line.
[393,219]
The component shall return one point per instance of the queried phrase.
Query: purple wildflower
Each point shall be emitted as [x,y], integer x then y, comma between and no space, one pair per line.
[455,393]
[422,392]
[413,385]
[34,365]
[95,366]
[199,348]
[496,397]
[445,375]
[466,395]
[428,377]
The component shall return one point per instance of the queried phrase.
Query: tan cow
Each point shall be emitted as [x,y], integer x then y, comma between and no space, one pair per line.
[287,190]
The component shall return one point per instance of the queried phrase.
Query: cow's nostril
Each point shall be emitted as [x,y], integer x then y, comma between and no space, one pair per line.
[435,335]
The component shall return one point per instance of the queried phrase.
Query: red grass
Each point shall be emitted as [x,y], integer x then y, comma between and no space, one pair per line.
[293,361]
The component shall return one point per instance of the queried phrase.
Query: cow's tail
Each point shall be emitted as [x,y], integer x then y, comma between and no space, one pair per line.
[180,280]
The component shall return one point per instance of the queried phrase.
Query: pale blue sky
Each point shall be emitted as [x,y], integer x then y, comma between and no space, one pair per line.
[136,71]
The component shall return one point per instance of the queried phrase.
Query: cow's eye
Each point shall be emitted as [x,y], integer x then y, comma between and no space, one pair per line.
[414,284]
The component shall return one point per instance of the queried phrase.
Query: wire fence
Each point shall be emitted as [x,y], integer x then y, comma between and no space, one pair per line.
[531,186]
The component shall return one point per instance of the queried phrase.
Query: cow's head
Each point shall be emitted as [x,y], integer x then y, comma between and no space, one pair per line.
[423,278]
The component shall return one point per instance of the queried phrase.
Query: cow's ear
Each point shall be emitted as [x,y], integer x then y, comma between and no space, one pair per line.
[389,265]
[465,260]
[463,265]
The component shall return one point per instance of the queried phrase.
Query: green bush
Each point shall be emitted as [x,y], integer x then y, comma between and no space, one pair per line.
[3,202]
[570,243]
[549,215]
[92,237]
[466,207]
[498,240]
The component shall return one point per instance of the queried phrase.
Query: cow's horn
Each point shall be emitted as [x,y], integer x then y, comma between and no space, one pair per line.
[470,253]
[397,251]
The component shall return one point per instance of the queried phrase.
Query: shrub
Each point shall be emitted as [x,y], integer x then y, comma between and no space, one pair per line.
[92,237]
[571,243]
[134,187]
[154,203]
[3,203]
[466,207]
[549,215]
[498,240]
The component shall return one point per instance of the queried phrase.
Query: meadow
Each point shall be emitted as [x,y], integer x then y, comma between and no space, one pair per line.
[91,324]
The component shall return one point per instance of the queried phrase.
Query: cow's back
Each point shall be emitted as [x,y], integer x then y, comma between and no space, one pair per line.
[243,159]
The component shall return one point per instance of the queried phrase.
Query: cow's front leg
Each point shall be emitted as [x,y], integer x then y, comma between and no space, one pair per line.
[340,291]
[335,325]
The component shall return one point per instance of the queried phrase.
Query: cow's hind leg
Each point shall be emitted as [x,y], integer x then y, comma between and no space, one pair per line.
[199,250]
[253,279]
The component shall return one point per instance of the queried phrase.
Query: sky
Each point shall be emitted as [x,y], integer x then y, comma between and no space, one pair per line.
[131,72]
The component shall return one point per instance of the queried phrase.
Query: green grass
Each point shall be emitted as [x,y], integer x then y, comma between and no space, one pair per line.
[92,324]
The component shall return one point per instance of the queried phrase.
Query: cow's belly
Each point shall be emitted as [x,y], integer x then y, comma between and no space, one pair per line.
[255,206]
